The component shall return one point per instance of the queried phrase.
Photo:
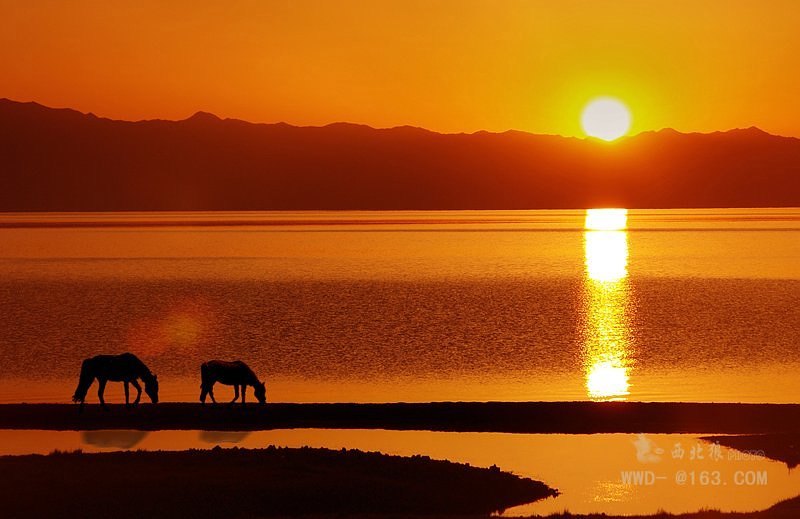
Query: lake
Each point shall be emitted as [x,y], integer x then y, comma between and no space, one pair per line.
[666,305]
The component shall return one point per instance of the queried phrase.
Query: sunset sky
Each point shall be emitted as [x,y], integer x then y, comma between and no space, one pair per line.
[449,66]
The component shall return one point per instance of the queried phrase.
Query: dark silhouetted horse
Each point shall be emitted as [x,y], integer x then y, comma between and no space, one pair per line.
[125,368]
[236,374]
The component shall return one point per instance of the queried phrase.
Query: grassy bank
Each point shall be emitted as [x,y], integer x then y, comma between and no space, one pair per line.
[789,509]
[252,483]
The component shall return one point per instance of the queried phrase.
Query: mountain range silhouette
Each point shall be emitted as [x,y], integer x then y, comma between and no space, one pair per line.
[64,160]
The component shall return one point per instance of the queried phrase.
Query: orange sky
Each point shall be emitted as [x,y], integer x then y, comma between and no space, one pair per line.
[459,65]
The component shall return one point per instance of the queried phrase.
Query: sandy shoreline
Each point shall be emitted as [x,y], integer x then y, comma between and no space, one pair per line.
[522,417]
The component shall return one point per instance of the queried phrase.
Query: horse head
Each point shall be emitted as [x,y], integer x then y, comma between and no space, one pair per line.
[260,392]
[151,387]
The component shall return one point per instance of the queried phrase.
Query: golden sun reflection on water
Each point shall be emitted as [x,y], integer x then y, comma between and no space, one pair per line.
[606,255]
[607,342]
[606,219]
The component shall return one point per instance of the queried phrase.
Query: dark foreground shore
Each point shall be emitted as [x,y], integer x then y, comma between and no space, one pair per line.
[517,417]
[268,482]
[789,509]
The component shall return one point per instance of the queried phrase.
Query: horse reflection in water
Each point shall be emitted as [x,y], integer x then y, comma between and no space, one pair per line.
[125,368]
[117,439]
[236,374]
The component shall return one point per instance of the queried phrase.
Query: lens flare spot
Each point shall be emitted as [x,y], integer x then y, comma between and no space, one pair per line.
[183,326]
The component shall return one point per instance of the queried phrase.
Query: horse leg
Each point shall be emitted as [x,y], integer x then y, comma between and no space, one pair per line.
[138,389]
[127,394]
[100,390]
[83,401]
[206,389]
[244,391]
[235,393]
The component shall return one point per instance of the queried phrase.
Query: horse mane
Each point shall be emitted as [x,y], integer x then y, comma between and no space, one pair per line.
[251,374]
[86,378]
[144,371]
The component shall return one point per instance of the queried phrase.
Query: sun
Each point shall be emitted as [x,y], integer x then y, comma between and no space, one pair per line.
[606,118]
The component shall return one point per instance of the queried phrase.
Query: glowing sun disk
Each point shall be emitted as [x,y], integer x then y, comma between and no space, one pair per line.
[606,118]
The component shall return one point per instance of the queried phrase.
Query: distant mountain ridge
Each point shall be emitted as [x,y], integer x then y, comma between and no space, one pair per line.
[64,160]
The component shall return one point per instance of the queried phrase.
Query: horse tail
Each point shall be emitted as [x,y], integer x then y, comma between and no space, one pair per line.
[85,380]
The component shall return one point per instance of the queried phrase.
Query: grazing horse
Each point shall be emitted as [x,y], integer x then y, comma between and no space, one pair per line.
[117,368]
[235,374]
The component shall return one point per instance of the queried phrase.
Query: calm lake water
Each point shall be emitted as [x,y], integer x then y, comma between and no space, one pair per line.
[586,469]
[677,305]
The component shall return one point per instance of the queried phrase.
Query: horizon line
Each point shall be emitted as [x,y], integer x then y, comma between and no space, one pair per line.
[211,116]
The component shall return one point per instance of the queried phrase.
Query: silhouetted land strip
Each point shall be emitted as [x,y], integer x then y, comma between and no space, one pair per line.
[519,417]
[780,447]
[252,483]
